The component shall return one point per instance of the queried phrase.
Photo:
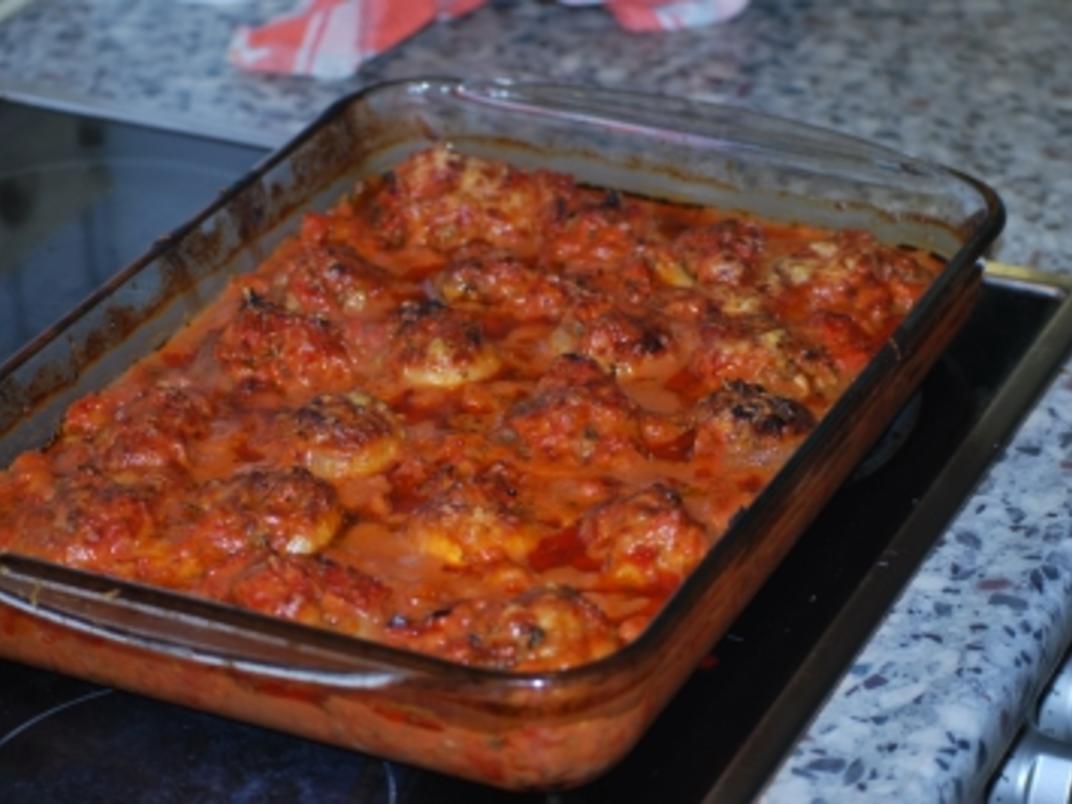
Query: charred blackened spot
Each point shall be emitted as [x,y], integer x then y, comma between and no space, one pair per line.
[612,200]
[653,342]
[250,210]
[768,414]
[252,300]
[251,386]
[311,417]
[390,180]
[474,335]
[670,494]
[742,412]
[772,424]
[560,209]
[535,636]
[413,311]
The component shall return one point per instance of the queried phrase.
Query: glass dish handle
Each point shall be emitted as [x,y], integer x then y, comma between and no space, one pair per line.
[198,631]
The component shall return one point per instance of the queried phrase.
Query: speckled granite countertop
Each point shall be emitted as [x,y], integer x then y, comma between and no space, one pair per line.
[983,85]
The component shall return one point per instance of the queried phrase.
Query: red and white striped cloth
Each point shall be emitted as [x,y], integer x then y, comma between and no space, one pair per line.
[331,38]
[672,15]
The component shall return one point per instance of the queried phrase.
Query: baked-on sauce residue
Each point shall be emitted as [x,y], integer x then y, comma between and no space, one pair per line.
[483,413]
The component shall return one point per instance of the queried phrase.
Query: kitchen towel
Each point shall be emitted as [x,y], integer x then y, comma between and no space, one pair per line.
[331,38]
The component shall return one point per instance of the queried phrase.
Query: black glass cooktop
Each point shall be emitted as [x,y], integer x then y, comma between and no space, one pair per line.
[79,197]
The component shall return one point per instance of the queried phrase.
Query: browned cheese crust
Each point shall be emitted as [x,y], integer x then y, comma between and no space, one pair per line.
[472,411]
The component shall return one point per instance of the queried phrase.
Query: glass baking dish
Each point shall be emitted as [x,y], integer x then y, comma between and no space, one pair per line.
[516,730]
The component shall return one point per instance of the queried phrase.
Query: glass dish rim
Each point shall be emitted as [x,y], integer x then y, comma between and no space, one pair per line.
[660,629]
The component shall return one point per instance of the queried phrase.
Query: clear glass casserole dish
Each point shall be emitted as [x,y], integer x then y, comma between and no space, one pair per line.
[517,730]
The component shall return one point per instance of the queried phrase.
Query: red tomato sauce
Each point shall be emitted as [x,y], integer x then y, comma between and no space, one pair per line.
[483,413]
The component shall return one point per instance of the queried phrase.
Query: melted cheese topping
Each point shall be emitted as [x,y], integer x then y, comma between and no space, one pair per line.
[472,411]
